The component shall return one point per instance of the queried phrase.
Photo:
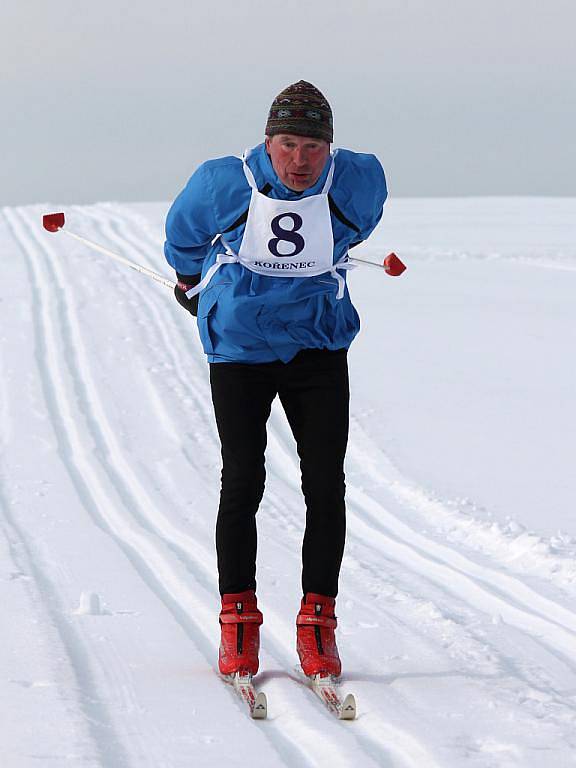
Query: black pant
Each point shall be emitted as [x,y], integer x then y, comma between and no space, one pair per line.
[314,392]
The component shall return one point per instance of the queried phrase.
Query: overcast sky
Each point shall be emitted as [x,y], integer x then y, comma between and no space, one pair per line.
[121,100]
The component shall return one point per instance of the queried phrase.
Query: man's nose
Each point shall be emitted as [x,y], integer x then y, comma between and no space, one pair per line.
[300,156]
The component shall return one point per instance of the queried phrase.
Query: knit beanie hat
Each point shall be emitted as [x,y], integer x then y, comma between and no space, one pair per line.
[302,110]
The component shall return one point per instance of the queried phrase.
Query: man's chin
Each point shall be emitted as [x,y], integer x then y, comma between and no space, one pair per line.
[299,185]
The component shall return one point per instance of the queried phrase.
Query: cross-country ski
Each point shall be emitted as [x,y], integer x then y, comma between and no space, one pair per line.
[254,699]
[328,691]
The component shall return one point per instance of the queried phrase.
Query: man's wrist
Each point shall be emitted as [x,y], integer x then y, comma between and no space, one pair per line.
[186,282]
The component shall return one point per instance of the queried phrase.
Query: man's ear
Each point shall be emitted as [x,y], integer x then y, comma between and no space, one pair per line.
[267,144]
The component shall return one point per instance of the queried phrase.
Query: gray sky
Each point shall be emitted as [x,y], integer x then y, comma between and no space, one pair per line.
[120,100]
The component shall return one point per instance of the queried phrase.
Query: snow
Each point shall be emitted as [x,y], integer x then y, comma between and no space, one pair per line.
[457,618]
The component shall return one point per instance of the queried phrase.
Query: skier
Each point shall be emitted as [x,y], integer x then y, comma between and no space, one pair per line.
[260,245]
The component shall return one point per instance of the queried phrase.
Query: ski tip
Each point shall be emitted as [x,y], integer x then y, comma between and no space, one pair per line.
[260,709]
[348,711]
[393,266]
[53,221]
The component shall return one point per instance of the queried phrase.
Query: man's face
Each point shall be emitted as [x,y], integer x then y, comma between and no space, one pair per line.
[297,160]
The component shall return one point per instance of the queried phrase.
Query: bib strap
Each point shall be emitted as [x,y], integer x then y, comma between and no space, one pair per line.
[229,257]
[247,172]
[342,264]
[328,182]
[222,258]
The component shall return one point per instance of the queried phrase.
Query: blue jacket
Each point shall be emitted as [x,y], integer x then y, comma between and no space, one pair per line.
[251,318]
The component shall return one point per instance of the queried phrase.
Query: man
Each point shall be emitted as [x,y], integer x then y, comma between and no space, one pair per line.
[260,248]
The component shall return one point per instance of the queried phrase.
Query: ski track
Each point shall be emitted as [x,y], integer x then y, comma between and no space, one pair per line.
[375,528]
[519,605]
[99,730]
[168,559]
[368,535]
[381,473]
[282,650]
[107,744]
[372,519]
[381,735]
[192,555]
[282,629]
[143,551]
[132,535]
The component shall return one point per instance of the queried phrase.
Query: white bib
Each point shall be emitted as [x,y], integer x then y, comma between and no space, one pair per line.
[284,238]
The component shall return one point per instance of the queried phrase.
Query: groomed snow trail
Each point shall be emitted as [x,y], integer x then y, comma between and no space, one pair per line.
[109,486]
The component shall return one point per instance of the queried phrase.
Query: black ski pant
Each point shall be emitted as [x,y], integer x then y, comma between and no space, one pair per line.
[314,392]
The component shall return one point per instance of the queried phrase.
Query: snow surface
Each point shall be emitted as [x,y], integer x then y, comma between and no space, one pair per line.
[457,615]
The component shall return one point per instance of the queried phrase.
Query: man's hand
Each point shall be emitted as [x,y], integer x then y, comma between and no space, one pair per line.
[185,282]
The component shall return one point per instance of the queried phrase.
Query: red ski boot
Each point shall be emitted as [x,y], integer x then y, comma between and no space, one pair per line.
[315,641]
[240,622]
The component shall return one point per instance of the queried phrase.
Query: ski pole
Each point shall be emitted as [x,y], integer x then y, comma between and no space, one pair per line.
[53,222]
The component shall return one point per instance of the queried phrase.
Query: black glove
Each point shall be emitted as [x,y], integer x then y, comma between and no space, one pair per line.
[185,282]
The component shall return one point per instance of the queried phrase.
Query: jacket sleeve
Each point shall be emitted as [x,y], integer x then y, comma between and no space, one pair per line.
[190,225]
[359,192]
[375,192]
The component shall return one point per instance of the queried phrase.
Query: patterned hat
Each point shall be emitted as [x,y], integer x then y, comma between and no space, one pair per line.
[301,109]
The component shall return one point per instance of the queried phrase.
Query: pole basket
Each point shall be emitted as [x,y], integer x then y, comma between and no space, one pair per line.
[393,265]
[53,221]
